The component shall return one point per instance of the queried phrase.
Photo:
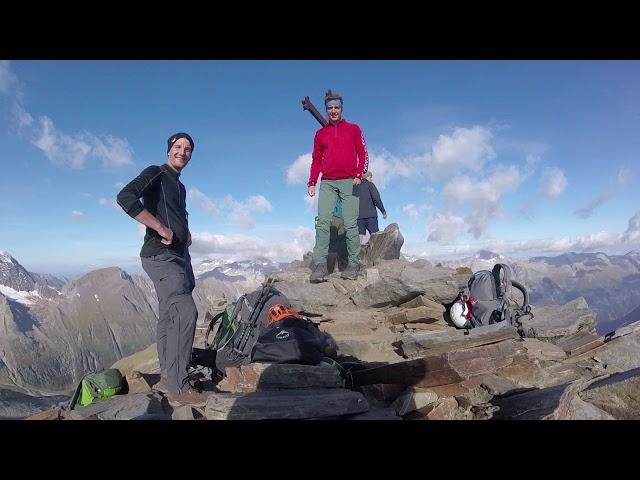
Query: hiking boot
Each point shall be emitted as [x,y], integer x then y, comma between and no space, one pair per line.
[318,274]
[162,386]
[189,396]
[350,273]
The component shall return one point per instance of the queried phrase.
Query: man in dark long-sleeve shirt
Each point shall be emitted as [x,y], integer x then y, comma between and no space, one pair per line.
[165,258]
[369,200]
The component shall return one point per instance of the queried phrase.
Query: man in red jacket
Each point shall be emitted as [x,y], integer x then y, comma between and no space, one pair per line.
[340,153]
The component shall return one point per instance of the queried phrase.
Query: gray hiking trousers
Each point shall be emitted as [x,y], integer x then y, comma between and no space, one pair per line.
[172,277]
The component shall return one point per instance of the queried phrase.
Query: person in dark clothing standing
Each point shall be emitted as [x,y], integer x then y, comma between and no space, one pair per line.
[369,200]
[165,258]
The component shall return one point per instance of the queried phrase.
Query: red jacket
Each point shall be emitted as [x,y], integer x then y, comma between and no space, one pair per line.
[339,152]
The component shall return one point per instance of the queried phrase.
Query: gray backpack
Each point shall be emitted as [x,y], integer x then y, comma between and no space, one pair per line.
[494,298]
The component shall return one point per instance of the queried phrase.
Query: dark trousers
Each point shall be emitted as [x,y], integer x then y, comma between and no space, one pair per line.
[172,277]
[370,224]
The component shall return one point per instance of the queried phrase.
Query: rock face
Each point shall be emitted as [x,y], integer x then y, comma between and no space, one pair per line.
[384,245]
[551,321]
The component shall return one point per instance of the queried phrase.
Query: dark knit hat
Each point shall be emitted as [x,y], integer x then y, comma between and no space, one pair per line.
[176,136]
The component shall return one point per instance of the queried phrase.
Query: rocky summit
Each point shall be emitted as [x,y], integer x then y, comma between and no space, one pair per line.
[413,364]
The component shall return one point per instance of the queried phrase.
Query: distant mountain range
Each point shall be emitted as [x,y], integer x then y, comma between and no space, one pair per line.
[237,271]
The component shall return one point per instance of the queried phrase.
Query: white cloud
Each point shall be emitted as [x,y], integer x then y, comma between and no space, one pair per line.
[21,117]
[200,199]
[60,148]
[634,223]
[108,202]
[142,230]
[298,171]
[555,182]
[77,215]
[8,80]
[463,151]
[73,150]
[312,203]
[593,242]
[114,152]
[482,197]
[623,175]
[445,228]
[411,211]
[119,185]
[386,167]
[632,233]
[615,185]
[240,213]
[586,212]
[297,242]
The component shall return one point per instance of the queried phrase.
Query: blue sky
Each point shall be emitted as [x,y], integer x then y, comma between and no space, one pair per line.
[520,157]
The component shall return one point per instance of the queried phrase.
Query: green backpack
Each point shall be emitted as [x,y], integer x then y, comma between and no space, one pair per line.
[96,386]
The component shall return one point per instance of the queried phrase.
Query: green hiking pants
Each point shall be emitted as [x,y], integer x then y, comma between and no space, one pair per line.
[330,191]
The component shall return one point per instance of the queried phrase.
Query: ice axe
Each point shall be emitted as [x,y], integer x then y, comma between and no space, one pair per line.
[308,105]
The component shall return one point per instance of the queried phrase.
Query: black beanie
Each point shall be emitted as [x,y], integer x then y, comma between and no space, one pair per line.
[173,138]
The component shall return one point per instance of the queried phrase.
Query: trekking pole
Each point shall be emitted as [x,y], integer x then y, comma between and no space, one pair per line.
[253,317]
[307,105]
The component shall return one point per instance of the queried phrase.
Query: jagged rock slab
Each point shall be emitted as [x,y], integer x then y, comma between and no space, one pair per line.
[620,354]
[565,372]
[51,414]
[425,314]
[351,322]
[382,394]
[416,344]
[136,383]
[285,404]
[144,361]
[273,376]
[522,370]
[442,369]
[183,412]
[376,414]
[421,301]
[15,405]
[496,385]
[369,348]
[618,394]
[308,296]
[443,409]
[119,407]
[413,399]
[552,321]
[384,245]
[401,282]
[622,331]
[560,402]
[580,342]
[543,350]
[429,327]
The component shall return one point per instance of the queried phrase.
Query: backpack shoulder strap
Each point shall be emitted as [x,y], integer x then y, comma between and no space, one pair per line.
[212,323]
[76,395]
[502,285]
